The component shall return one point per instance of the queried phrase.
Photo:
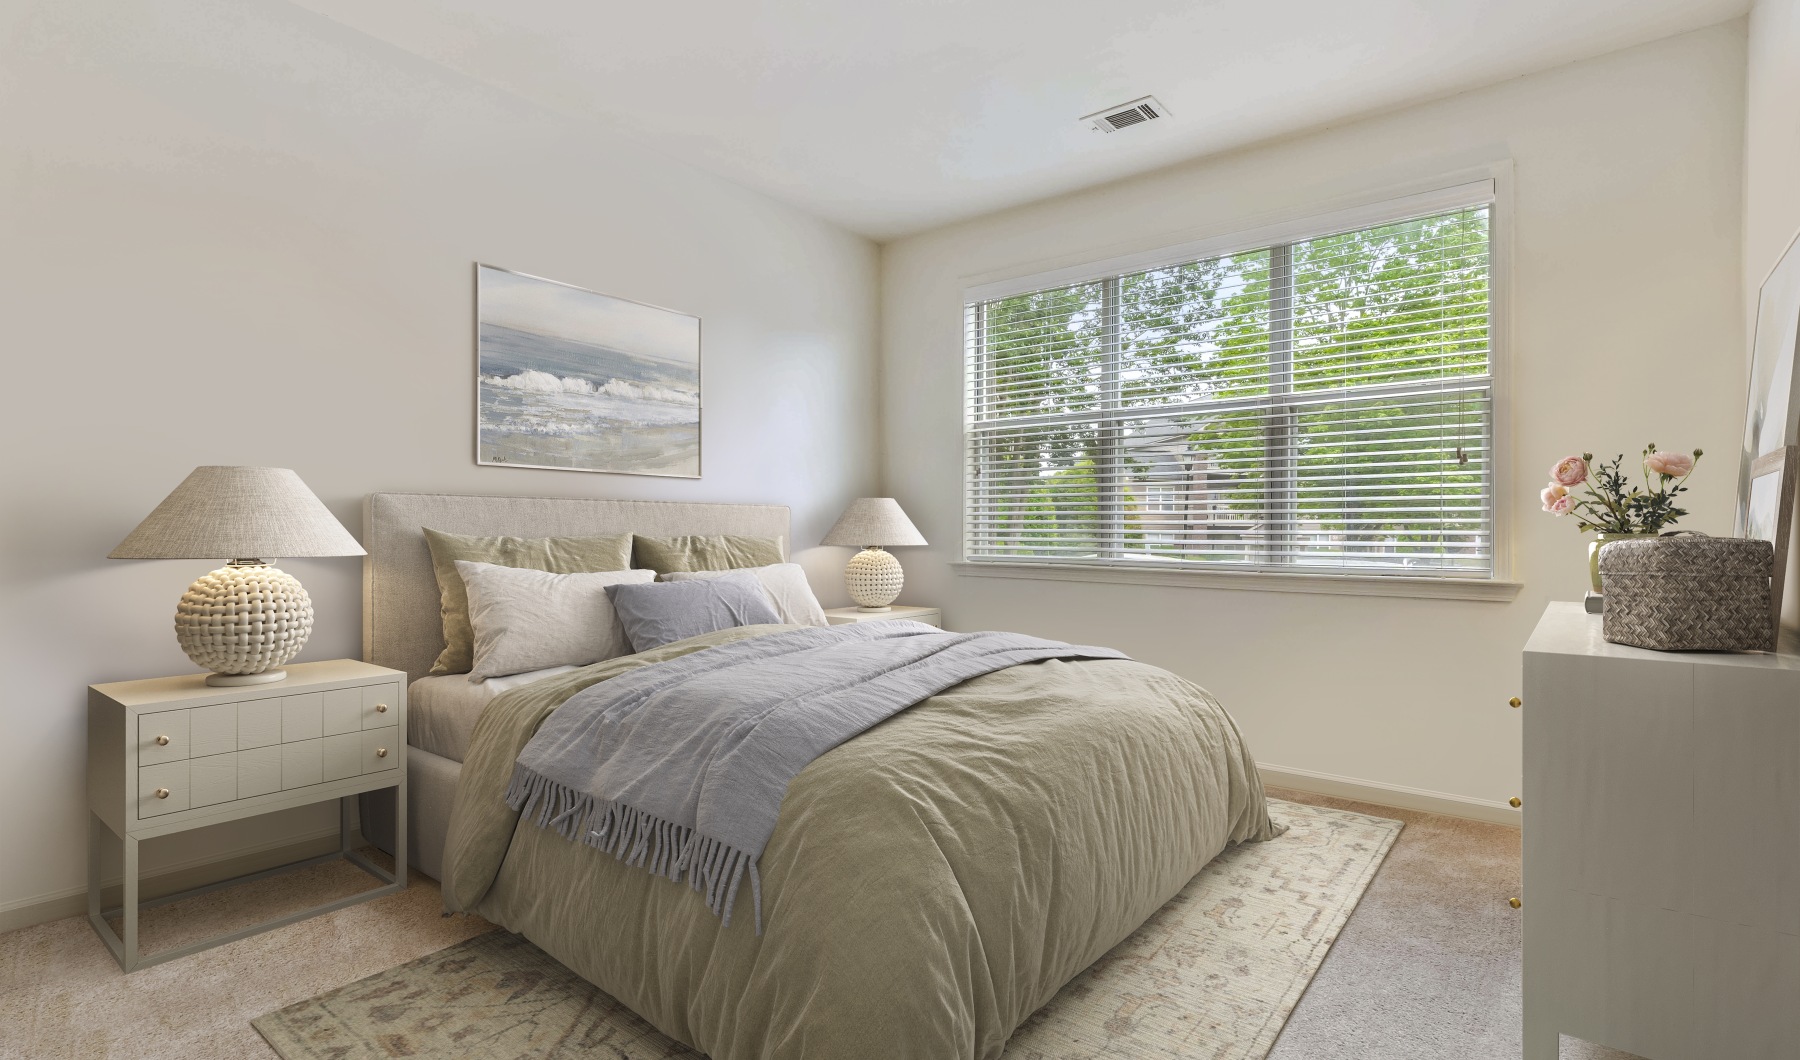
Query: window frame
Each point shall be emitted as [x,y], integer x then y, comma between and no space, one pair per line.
[1490,185]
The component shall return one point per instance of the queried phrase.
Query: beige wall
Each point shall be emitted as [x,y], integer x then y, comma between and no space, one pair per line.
[1771,140]
[1627,330]
[237,233]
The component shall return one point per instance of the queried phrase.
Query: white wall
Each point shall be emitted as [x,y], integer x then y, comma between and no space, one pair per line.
[1627,329]
[1771,141]
[237,233]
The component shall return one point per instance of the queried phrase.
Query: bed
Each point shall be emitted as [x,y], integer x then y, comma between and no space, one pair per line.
[930,883]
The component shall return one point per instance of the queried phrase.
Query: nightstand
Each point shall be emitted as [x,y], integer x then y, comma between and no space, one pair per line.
[844,616]
[174,753]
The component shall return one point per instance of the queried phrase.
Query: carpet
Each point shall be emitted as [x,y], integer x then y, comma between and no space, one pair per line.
[1214,974]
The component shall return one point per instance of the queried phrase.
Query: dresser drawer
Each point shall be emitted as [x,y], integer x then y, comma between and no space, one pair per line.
[170,778]
[162,737]
[380,706]
[382,749]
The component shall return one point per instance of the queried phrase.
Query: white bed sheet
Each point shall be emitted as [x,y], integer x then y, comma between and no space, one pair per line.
[441,712]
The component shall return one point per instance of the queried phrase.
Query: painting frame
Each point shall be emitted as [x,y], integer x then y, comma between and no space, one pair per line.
[1770,515]
[1772,405]
[489,454]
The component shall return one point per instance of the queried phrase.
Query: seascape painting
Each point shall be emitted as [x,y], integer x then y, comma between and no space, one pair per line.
[572,379]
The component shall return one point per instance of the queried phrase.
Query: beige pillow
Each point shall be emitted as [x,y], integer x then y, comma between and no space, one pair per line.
[785,585]
[558,555]
[526,619]
[665,555]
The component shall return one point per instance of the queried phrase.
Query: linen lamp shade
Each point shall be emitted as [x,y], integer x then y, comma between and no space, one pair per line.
[873,576]
[246,618]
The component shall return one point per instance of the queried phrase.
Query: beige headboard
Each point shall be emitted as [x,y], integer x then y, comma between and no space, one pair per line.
[401,625]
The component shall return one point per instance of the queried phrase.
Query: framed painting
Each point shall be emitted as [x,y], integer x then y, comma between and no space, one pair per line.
[1769,515]
[1765,494]
[1772,416]
[575,380]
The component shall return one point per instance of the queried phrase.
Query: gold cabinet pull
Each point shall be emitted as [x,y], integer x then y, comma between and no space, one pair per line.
[1515,702]
[381,708]
[162,793]
[1515,802]
[162,741]
[1515,903]
[380,752]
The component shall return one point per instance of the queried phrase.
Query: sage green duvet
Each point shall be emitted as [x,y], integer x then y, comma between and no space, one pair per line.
[930,884]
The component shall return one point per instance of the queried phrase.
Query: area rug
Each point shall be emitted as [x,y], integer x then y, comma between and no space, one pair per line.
[1214,975]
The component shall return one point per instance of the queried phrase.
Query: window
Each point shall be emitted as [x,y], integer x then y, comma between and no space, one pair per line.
[1322,404]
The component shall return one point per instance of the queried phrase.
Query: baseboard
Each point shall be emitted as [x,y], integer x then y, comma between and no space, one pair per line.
[197,872]
[1389,795]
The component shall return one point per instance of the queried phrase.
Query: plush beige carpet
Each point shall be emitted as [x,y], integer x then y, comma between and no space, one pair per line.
[1427,968]
[1213,974]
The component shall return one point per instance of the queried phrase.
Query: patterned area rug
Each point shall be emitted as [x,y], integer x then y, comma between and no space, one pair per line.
[1214,975]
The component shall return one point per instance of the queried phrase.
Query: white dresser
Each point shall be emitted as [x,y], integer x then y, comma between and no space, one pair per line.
[173,753]
[1662,847]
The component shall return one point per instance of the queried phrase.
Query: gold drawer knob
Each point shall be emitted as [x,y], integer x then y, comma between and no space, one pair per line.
[1515,903]
[162,741]
[1515,802]
[162,793]
[380,752]
[1515,702]
[381,708]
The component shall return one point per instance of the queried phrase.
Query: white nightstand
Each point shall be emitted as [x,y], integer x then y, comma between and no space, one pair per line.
[843,616]
[174,753]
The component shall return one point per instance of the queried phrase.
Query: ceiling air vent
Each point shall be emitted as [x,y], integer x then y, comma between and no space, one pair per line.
[1125,115]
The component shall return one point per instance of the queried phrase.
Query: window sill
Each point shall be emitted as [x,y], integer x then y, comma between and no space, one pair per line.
[1484,589]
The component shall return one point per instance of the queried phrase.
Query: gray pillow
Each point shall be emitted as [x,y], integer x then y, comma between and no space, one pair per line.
[663,612]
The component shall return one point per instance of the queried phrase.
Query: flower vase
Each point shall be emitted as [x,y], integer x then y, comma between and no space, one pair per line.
[1594,552]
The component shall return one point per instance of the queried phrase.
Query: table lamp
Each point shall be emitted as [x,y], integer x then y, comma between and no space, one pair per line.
[245,619]
[874,576]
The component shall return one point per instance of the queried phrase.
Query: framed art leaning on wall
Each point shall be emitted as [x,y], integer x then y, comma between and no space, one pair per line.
[575,380]
[1765,494]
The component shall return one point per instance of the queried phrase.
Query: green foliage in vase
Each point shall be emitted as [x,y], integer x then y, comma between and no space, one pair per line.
[1612,503]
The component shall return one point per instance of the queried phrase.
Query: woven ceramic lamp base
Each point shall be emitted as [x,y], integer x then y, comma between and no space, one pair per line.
[874,579]
[243,621]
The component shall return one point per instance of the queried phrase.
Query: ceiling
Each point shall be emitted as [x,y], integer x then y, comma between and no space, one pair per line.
[889,118]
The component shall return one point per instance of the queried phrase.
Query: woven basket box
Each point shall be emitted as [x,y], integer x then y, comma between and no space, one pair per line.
[1689,592]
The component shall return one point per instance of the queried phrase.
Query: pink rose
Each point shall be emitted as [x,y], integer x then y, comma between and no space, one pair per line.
[1670,465]
[1553,493]
[1569,471]
[1562,505]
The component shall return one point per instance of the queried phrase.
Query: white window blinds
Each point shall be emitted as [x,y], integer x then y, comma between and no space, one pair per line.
[1321,405]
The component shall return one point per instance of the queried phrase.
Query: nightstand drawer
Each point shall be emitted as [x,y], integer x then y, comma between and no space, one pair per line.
[258,771]
[162,789]
[302,717]
[382,749]
[343,711]
[213,779]
[258,723]
[380,706]
[162,737]
[302,764]
[342,754]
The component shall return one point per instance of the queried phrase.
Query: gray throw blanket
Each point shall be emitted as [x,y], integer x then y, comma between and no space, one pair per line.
[681,766]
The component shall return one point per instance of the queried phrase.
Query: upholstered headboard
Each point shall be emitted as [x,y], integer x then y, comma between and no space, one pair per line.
[401,624]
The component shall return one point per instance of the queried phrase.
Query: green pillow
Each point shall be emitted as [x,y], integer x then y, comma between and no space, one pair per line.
[558,555]
[667,555]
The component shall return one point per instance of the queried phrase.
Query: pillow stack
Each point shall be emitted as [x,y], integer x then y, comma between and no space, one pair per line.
[514,605]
